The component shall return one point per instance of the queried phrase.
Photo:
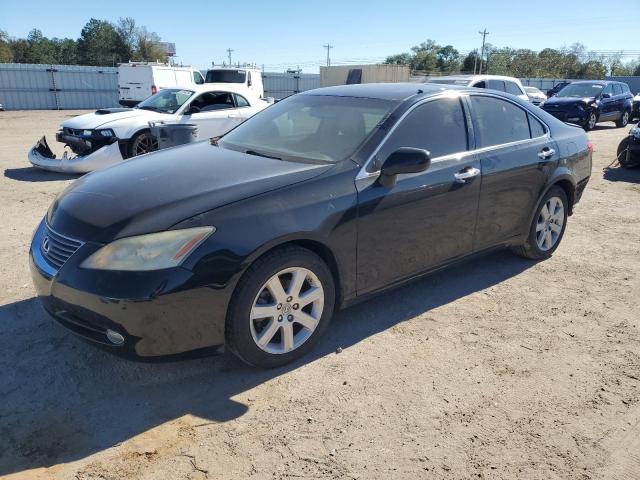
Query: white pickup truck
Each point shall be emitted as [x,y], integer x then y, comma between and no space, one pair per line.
[139,80]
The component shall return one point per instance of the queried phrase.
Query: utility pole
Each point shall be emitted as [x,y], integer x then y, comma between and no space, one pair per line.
[229,50]
[484,34]
[328,47]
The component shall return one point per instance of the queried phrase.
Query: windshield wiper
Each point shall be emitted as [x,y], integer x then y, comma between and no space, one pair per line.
[153,109]
[253,152]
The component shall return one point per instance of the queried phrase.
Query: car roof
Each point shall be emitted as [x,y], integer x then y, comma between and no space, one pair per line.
[597,82]
[383,91]
[475,77]
[217,87]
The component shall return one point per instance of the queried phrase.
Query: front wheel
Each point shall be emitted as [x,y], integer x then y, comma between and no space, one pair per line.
[548,226]
[143,142]
[592,119]
[280,308]
[624,119]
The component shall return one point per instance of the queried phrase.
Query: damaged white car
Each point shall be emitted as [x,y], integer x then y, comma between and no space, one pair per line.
[111,135]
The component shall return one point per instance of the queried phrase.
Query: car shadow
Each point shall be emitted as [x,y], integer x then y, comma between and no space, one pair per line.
[619,174]
[32,174]
[63,400]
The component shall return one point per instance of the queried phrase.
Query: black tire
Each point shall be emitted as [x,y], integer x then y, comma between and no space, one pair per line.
[137,142]
[589,124]
[530,248]
[238,324]
[634,157]
[624,119]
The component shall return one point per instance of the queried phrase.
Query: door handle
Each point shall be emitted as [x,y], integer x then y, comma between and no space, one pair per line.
[546,153]
[466,174]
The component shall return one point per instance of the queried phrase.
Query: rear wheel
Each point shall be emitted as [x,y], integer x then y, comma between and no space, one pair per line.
[624,119]
[547,227]
[142,143]
[280,308]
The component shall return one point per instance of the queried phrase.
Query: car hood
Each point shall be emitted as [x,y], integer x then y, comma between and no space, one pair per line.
[104,116]
[155,191]
[567,101]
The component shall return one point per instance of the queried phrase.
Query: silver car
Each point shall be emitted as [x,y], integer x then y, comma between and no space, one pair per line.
[535,96]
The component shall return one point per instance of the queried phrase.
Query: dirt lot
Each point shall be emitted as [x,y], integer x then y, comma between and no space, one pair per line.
[501,368]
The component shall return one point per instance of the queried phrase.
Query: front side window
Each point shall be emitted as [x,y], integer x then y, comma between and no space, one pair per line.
[498,121]
[211,101]
[167,100]
[317,128]
[512,88]
[438,126]
[241,101]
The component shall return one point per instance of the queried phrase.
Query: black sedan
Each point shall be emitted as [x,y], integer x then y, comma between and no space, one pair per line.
[253,241]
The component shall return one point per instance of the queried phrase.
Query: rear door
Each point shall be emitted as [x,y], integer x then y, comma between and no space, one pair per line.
[608,105]
[516,156]
[426,218]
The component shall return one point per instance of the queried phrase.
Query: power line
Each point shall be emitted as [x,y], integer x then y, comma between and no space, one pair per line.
[328,47]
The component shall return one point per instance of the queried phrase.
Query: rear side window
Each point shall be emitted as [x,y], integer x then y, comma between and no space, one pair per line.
[241,101]
[537,129]
[617,89]
[625,88]
[498,121]
[438,126]
[496,85]
[512,88]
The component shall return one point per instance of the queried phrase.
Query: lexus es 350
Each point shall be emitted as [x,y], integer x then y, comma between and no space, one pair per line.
[252,241]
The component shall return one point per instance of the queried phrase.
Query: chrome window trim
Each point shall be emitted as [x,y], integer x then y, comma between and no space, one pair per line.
[363,174]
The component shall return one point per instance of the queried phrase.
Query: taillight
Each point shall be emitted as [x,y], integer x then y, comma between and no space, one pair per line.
[590,147]
[154,89]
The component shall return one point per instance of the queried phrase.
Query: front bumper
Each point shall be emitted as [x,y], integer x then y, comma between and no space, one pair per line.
[160,313]
[42,157]
[573,115]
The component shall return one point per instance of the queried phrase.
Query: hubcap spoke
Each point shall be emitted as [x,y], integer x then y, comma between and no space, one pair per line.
[268,333]
[306,320]
[287,337]
[263,311]
[297,279]
[275,287]
[556,228]
[545,212]
[311,295]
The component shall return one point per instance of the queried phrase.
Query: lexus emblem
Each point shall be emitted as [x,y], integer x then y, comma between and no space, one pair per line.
[45,244]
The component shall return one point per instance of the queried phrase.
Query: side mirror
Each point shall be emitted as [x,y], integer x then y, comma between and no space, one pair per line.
[606,95]
[403,160]
[191,110]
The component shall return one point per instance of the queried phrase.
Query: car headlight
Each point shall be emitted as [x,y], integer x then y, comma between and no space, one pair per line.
[154,251]
[107,132]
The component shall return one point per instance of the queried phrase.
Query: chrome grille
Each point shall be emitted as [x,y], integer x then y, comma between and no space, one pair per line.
[57,248]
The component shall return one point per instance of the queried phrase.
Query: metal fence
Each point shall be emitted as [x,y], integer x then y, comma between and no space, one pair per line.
[30,86]
[280,85]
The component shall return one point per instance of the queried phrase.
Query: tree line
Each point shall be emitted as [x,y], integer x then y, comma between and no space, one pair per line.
[101,43]
[566,62]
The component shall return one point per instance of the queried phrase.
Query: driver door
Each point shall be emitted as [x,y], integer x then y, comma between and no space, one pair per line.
[214,113]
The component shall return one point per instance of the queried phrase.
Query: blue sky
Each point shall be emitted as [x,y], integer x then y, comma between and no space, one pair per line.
[282,34]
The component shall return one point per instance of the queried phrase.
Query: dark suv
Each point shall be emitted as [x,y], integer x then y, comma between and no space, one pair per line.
[588,102]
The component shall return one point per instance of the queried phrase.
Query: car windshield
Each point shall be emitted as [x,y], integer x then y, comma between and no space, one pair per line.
[580,90]
[226,76]
[450,81]
[168,100]
[317,128]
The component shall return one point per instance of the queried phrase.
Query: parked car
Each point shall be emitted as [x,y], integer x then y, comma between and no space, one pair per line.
[589,102]
[492,82]
[556,88]
[535,95]
[137,81]
[323,199]
[1,107]
[110,135]
[635,107]
[250,78]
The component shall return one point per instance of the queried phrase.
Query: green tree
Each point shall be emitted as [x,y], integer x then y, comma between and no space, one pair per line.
[99,44]
[448,59]
[149,48]
[6,53]
[399,59]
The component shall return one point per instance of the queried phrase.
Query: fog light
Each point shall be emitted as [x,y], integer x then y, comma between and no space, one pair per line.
[115,337]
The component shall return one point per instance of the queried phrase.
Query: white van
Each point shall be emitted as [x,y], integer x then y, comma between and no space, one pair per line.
[251,78]
[139,80]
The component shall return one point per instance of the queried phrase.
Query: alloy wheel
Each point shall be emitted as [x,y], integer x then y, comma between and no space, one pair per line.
[592,120]
[625,118]
[549,224]
[144,144]
[287,310]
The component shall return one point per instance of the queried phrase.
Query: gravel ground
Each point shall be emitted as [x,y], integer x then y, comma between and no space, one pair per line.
[501,368]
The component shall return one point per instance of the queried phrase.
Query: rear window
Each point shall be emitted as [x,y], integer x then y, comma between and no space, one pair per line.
[499,121]
[226,76]
[512,88]
[496,85]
